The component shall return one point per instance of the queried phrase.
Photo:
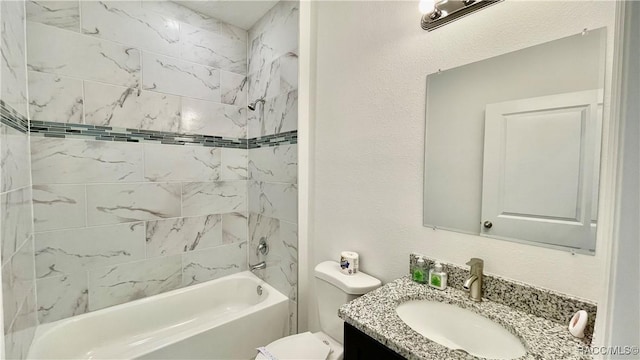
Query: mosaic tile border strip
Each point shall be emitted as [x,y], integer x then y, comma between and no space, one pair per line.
[540,302]
[109,133]
[12,118]
[285,138]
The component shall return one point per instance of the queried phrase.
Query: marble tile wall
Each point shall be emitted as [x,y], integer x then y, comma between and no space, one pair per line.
[115,222]
[16,220]
[273,170]
[149,65]
[273,70]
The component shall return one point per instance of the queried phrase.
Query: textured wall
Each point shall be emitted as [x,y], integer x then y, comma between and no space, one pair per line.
[273,170]
[369,134]
[16,220]
[120,220]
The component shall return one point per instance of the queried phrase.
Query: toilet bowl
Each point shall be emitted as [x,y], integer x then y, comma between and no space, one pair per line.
[308,346]
[333,289]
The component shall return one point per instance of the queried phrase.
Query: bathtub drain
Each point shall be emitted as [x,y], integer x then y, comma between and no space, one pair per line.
[259,290]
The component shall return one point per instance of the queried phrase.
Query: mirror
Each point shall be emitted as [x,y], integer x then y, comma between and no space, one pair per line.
[512,146]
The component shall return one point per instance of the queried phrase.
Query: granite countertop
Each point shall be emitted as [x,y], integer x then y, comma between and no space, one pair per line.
[375,315]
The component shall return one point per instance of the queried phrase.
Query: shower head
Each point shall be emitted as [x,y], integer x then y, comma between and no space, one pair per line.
[254,104]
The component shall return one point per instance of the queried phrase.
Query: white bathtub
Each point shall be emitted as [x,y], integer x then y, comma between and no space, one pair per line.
[220,319]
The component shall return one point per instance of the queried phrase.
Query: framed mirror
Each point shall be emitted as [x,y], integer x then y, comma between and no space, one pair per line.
[512,144]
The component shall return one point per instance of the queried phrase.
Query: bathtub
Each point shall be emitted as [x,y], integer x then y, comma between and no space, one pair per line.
[220,319]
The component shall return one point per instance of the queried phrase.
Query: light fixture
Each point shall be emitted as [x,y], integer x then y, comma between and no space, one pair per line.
[438,13]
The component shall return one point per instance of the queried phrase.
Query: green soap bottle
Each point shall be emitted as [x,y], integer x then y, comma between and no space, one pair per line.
[420,271]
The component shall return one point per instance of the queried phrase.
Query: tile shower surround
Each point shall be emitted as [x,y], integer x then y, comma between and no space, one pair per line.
[16,227]
[273,191]
[146,174]
[119,220]
[16,220]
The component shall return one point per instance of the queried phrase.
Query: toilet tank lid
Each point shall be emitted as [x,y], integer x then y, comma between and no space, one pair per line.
[356,284]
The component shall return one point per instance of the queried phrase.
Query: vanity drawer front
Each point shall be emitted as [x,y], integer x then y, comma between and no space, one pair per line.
[360,346]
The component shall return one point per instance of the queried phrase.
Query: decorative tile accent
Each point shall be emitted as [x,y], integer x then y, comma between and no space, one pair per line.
[540,302]
[289,137]
[108,133]
[12,118]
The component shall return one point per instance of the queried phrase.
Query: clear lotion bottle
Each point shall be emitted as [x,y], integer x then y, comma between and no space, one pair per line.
[420,272]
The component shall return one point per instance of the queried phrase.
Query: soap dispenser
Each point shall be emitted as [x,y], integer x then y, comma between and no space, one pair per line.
[437,277]
[419,273]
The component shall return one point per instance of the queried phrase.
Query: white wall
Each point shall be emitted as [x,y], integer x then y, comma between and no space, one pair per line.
[624,318]
[368,135]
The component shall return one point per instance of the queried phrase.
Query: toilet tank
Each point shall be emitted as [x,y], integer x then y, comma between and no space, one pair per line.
[334,289]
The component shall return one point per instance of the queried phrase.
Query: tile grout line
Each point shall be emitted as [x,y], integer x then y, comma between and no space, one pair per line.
[28,135]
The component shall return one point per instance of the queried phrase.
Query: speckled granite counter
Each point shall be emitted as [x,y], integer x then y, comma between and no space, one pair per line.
[375,315]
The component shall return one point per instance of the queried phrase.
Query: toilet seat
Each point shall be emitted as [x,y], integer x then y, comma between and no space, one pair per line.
[306,346]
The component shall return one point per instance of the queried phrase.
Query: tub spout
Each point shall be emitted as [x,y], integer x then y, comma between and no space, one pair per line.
[259,266]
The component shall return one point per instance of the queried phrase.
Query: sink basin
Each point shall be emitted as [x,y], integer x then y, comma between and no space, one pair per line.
[460,329]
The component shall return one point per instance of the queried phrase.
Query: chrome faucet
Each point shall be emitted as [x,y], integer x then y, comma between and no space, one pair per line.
[259,266]
[473,284]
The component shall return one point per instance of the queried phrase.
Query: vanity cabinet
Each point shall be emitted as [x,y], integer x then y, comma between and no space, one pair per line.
[360,346]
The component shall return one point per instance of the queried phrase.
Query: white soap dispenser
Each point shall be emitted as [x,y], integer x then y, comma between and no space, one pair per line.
[437,277]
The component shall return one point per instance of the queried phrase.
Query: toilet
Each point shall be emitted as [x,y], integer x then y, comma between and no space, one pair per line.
[333,290]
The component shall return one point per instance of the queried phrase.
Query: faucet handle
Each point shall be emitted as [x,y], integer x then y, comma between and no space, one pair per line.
[475,262]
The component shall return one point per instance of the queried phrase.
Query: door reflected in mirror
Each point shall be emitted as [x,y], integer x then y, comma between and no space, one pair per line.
[512,146]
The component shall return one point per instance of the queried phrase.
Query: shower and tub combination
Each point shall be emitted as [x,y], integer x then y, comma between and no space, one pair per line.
[149,151]
[227,318]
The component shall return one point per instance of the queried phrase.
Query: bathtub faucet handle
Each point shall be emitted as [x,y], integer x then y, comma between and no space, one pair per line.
[263,248]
